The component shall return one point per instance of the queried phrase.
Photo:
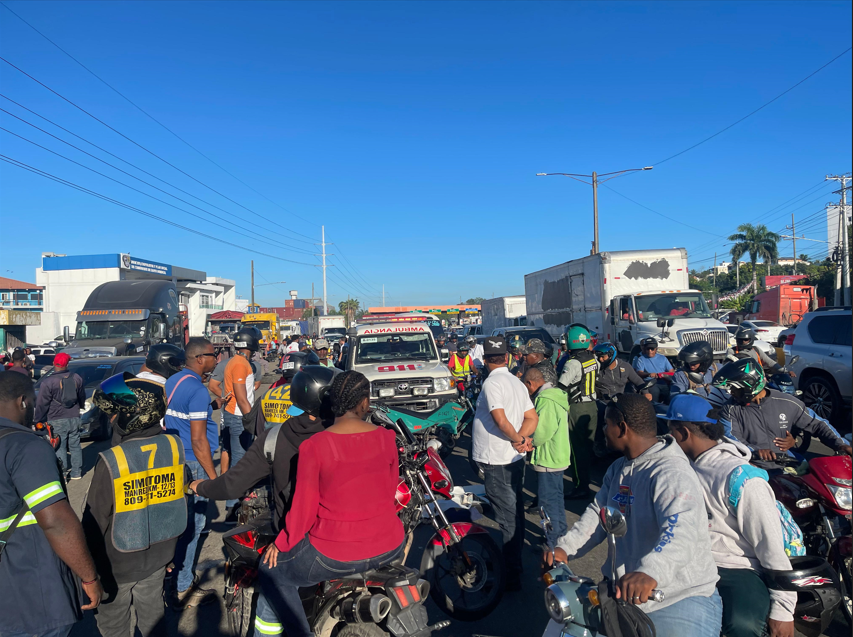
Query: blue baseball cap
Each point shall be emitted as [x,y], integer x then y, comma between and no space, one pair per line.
[689,408]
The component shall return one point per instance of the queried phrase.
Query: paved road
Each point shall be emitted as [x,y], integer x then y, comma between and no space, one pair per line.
[519,614]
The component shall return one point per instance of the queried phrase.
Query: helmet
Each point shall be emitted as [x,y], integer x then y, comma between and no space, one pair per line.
[699,352]
[472,341]
[293,362]
[744,379]
[605,353]
[816,585]
[745,334]
[165,359]
[247,338]
[137,402]
[515,343]
[577,337]
[309,387]
[463,347]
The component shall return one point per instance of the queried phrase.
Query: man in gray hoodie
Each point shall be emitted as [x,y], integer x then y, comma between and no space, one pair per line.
[746,537]
[667,545]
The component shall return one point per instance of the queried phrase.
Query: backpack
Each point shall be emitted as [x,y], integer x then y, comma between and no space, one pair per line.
[792,536]
[68,391]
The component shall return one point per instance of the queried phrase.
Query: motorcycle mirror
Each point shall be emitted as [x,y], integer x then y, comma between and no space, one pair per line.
[128,340]
[793,360]
[612,521]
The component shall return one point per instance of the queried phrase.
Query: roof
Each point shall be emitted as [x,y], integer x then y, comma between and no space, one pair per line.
[227,315]
[14,284]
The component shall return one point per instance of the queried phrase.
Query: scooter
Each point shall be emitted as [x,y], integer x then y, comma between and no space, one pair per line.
[442,426]
[573,602]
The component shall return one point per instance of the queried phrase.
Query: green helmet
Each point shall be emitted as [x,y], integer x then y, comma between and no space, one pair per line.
[578,337]
[744,378]
[516,343]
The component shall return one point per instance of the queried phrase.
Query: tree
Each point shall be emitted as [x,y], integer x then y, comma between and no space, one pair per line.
[307,313]
[759,242]
[477,300]
[804,257]
[349,308]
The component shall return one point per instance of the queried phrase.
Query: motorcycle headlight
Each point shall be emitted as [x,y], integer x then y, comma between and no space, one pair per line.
[557,603]
[843,496]
[442,384]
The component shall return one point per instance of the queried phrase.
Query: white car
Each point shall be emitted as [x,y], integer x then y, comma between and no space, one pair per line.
[765,330]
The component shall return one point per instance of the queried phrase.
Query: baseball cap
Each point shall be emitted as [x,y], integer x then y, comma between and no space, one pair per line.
[61,360]
[649,342]
[321,343]
[689,408]
[536,346]
[494,345]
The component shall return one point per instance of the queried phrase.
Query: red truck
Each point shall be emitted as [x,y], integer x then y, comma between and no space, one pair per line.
[784,304]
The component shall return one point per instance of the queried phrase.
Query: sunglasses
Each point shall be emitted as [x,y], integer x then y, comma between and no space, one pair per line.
[212,355]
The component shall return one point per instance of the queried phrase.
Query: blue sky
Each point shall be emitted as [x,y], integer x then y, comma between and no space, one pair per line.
[414,131]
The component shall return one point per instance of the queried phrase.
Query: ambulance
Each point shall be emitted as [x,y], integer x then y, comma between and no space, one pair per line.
[405,368]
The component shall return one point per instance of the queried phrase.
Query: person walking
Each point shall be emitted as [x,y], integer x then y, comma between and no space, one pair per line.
[19,363]
[131,532]
[503,423]
[61,397]
[551,450]
[43,551]
[189,416]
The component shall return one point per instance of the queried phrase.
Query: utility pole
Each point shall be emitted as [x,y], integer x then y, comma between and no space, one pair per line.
[383,295]
[323,244]
[843,240]
[253,281]
[793,230]
[595,212]
[714,272]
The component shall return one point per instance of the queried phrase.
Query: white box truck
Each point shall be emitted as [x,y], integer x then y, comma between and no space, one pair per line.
[327,326]
[504,311]
[625,297]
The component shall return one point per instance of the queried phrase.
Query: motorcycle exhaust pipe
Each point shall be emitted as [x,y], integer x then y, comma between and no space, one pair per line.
[365,609]
[379,606]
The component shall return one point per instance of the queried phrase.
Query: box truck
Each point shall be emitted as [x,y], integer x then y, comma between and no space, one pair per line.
[625,297]
[327,326]
[504,311]
[784,304]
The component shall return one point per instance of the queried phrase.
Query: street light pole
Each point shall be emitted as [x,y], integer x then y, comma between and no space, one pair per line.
[594,183]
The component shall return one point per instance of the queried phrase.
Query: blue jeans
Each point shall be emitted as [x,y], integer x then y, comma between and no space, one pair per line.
[53,632]
[551,499]
[504,484]
[188,542]
[694,616]
[280,604]
[68,430]
[235,440]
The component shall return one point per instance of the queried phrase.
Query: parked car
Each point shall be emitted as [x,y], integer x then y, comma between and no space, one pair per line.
[39,350]
[93,371]
[42,365]
[769,331]
[764,346]
[823,343]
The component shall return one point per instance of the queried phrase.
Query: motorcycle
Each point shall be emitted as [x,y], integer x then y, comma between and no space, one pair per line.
[573,602]
[463,564]
[442,427]
[817,493]
[470,388]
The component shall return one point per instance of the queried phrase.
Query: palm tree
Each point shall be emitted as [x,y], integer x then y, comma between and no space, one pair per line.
[759,242]
[349,308]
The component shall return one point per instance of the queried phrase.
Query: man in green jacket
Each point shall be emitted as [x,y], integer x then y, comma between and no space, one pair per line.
[551,450]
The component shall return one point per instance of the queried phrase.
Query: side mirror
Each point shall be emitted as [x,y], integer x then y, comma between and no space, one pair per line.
[444,355]
[128,340]
[661,323]
[66,334]
[793,360]
[612,521]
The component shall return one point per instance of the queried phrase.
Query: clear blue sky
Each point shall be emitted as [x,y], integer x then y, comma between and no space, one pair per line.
[414,131]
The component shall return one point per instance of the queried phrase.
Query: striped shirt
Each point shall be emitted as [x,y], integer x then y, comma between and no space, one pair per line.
[189,400]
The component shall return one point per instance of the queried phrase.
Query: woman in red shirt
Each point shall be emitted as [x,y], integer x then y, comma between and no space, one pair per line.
[343,519]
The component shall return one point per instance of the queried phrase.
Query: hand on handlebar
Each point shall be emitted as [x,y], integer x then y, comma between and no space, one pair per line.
[766,454]
[846,450]
[548,558]
[635,588]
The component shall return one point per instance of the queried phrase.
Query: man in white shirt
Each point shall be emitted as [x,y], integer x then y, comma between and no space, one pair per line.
[476,351]
[504,421]
[294,344]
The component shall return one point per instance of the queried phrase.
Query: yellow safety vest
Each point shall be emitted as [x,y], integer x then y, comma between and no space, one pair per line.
[460,368]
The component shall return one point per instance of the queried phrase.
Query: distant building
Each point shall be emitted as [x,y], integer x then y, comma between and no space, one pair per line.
[17,295]
[790,261]
[726,267]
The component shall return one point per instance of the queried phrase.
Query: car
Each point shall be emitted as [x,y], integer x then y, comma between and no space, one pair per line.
[473,330]
[766,330]
[764,346]
[42,365]
[822,343]
[39,350]
[528,333]
[94,371]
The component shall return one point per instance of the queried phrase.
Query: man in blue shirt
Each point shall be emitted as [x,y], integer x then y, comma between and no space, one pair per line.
[650,365]
[46,546]
[190,417]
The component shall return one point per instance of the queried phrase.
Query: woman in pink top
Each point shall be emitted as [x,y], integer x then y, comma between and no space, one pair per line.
[343,519]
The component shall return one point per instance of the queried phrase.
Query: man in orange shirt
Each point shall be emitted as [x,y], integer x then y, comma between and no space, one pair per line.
[240,388]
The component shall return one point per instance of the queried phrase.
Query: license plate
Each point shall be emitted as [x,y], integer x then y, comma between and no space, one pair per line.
[288,365]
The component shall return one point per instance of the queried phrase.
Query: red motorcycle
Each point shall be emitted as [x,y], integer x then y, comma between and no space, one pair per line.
[820,502]
[462,562]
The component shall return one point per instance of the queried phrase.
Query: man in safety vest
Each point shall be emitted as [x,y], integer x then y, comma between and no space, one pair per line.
[136,508]
[461,364]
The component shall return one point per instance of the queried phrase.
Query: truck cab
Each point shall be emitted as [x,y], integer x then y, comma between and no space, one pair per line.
[674,317]
[403,364]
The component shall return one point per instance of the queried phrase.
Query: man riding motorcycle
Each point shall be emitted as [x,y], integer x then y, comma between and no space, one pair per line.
[461,364]
[613,375]
[745,344]
[762,418]
[697,369]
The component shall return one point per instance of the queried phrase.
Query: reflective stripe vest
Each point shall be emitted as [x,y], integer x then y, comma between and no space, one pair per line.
[459,368]
[148,491]
[585,387]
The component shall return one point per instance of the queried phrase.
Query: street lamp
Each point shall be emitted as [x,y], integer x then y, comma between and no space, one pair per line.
[595,181]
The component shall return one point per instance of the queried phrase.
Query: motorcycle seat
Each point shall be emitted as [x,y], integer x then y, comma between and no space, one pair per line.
[394,574]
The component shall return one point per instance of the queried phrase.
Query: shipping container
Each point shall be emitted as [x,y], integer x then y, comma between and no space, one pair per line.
[503,311]
[300,303]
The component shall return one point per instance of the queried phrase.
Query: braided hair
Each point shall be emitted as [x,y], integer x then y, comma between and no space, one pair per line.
[347,391]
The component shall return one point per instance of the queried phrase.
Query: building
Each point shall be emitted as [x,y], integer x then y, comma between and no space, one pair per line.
[790,261]
[67,282]
[726,267]
[20,311]
[17,295]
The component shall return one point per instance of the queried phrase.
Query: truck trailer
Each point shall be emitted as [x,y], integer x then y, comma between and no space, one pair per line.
[503,311]
[624,297]
[784,304]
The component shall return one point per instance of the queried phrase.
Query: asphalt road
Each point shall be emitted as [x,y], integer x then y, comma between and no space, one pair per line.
[519,614]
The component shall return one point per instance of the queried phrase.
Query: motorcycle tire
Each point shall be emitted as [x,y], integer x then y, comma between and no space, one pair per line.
[240,609]
[448,593]
[360,630]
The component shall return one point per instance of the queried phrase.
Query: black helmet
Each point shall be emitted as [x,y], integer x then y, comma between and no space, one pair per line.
[293,362]
[745,334]
[137,402]
[744,379]
[699,352]
[165,359]
[309,387]
[817,587]
[247,338]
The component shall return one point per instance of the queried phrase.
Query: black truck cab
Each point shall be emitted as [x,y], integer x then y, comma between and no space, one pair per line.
[124,318]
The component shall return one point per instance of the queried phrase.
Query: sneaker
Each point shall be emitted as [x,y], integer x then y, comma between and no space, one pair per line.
[531,505]
[193,596]
[76,477]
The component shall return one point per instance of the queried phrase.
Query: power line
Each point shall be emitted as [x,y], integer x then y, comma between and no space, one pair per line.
[352,264]
[152,153]
[152,118]
[42,173]
[660,213]
[813,73]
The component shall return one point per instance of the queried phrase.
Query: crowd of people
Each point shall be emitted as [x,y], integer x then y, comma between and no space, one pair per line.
[703,522]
